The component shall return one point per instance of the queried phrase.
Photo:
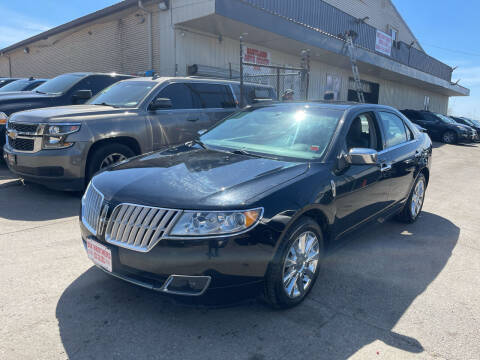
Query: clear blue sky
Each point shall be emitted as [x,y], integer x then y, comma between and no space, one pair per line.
[446,29]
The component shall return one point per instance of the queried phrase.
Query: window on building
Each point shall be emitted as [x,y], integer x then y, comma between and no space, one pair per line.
[395,131]
[394,33]
[426,103]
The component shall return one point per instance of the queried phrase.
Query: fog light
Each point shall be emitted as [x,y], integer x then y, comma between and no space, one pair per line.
[187,285]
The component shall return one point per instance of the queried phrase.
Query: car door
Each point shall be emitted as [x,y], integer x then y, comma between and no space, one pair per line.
[216,100]
[181,122]
[401,153]
[431,123]
[362,190]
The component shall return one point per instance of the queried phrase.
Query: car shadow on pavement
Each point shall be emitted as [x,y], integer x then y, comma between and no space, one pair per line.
[31,202]
[366,285]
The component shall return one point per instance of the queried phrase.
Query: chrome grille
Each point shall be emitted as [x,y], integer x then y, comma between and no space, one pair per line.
[94,210]
[21,144]
[23,128]
[138,227]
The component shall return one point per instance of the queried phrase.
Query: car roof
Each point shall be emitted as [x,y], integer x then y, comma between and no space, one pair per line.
[193,79]
[96,73]
[338,105]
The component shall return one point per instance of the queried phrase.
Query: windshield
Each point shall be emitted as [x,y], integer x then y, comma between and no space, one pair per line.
[127,94]
[446,119]
[17,85]
[468,121]
[59,85]
[291,130]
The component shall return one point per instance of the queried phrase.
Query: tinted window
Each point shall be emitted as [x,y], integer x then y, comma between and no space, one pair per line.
[287,130]
[255,92]
[429,117]
[363,133]
[60,84]
[33,85]
[395,132]
[180,95]
[96,83]
[124,94]
[213,96]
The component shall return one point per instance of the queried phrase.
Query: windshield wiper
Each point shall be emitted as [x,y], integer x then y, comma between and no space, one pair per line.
[105,104]
[199,142]
[40,92]
[247,153]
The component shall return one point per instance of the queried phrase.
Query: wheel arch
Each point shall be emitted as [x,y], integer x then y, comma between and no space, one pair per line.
[131,142]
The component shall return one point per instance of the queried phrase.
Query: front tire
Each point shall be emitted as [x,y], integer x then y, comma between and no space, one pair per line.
[449,137]
[414,205]
[296,265]
[105,156]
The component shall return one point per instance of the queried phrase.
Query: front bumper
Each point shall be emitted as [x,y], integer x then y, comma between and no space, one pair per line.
[62,169]
[234,265]
[466,137]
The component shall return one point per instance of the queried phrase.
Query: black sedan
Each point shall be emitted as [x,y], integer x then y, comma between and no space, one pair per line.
[255,200]
[472,123]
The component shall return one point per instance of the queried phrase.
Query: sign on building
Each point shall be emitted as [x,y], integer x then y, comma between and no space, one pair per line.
[383,43]
[256,56]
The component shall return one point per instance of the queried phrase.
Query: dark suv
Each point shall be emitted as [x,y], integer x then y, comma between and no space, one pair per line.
[441,127]
[67,89]
[464,121]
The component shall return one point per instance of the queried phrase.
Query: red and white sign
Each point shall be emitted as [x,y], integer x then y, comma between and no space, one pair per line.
[383,43]
[256,56]
[99,254]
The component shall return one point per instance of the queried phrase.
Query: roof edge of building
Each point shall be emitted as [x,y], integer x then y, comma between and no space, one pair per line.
[123,5]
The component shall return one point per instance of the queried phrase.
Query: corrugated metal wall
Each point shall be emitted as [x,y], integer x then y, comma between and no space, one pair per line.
[119,46]
[325,17]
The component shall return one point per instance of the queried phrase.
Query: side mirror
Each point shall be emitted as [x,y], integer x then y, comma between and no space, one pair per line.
[82,95]
[161,103]
[361,156]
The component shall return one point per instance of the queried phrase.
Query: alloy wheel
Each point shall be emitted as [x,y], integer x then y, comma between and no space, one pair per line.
[301,264]
[449,137]
[418,197]
[112,159]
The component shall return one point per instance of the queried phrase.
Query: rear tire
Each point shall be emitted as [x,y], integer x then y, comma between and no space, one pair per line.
[105,156]
[292,273]
[414,204]
[449,137]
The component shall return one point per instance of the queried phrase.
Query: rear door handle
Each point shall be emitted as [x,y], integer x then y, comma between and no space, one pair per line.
[193,119]
[385,167]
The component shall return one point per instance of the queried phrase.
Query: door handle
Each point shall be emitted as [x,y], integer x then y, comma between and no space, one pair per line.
[193,119]
[385,167]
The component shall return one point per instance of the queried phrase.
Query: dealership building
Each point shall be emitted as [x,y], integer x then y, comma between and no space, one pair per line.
[171,37]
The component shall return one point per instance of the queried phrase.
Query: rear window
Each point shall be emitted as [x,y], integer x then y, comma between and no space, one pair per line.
[212,96]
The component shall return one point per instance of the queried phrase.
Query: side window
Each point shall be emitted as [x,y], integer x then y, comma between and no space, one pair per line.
[395,131]
[363,133]
[213,96]
[98,82]
[180,95]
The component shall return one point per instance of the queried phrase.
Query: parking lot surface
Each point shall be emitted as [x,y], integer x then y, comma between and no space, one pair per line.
[391,291]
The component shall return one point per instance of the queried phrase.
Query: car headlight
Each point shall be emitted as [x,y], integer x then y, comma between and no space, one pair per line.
[216,223]
[55,135]
[3,118]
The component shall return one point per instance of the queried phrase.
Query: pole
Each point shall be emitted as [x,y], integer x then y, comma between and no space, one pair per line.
[241,71]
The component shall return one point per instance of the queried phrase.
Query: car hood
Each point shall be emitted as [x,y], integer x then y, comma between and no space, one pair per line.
[24,96]
[66,113]
[194,178]
[14,93]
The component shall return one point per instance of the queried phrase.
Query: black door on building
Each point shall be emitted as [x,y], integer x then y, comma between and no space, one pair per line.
[370,91]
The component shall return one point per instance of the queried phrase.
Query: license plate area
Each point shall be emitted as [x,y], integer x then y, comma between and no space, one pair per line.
[99,254]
